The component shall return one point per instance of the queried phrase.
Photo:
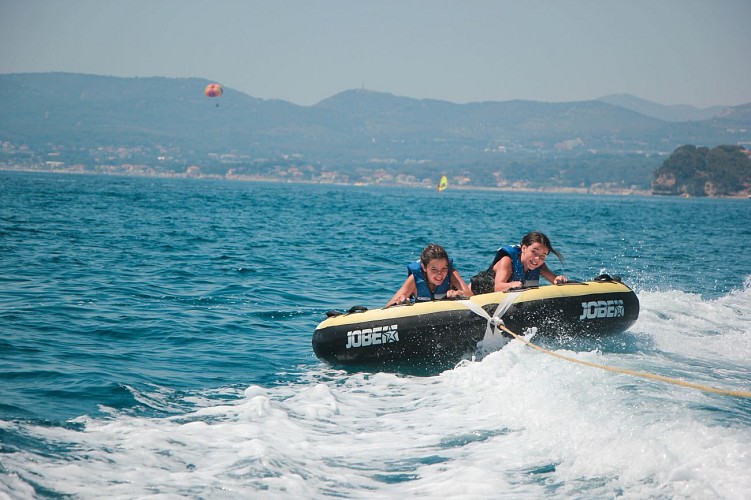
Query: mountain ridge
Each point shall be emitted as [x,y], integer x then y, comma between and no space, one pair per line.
[670,113]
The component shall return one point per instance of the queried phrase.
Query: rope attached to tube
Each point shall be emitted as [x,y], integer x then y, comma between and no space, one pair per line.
[652,376]
[497,323]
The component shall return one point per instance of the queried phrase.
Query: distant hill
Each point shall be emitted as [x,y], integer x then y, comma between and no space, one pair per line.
[101,122]
[668,113]
[517,121]
[88,110]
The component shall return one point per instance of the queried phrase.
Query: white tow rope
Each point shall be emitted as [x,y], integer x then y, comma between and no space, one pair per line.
[498,326]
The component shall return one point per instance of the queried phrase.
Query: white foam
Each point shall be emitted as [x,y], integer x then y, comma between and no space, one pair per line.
[709,333]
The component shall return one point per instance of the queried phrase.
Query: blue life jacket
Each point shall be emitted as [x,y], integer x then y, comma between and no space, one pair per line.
[423,290]
[530,278]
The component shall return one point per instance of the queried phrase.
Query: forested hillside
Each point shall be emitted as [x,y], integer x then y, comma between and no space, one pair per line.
[701,171]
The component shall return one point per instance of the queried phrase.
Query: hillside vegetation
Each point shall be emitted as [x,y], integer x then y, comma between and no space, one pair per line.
[700,171]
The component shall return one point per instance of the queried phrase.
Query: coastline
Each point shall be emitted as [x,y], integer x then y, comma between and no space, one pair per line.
[596,190]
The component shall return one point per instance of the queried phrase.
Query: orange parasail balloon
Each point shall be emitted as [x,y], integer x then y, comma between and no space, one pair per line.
[213,90]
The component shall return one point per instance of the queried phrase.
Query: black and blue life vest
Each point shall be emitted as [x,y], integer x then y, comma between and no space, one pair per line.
[514,252]
[423,290]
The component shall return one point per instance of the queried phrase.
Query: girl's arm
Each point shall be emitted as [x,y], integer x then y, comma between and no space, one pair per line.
[407,289]
[460,287]
[503,273]
[551,276]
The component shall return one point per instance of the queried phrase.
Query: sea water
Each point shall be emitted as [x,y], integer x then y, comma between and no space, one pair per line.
[155,341]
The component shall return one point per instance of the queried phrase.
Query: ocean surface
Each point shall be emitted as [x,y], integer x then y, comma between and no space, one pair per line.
[155,342]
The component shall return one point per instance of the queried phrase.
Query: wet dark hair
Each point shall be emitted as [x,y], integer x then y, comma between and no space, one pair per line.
[538,237]
[433,251]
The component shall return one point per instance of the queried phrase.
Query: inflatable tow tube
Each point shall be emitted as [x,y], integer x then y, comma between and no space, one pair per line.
[441,333]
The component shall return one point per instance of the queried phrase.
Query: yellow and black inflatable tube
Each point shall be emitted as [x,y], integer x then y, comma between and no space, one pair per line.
[442,332]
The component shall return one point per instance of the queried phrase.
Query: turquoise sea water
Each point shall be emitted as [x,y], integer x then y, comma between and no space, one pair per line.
[155,341]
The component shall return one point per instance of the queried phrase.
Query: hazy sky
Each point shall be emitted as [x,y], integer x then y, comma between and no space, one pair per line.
[670,51]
